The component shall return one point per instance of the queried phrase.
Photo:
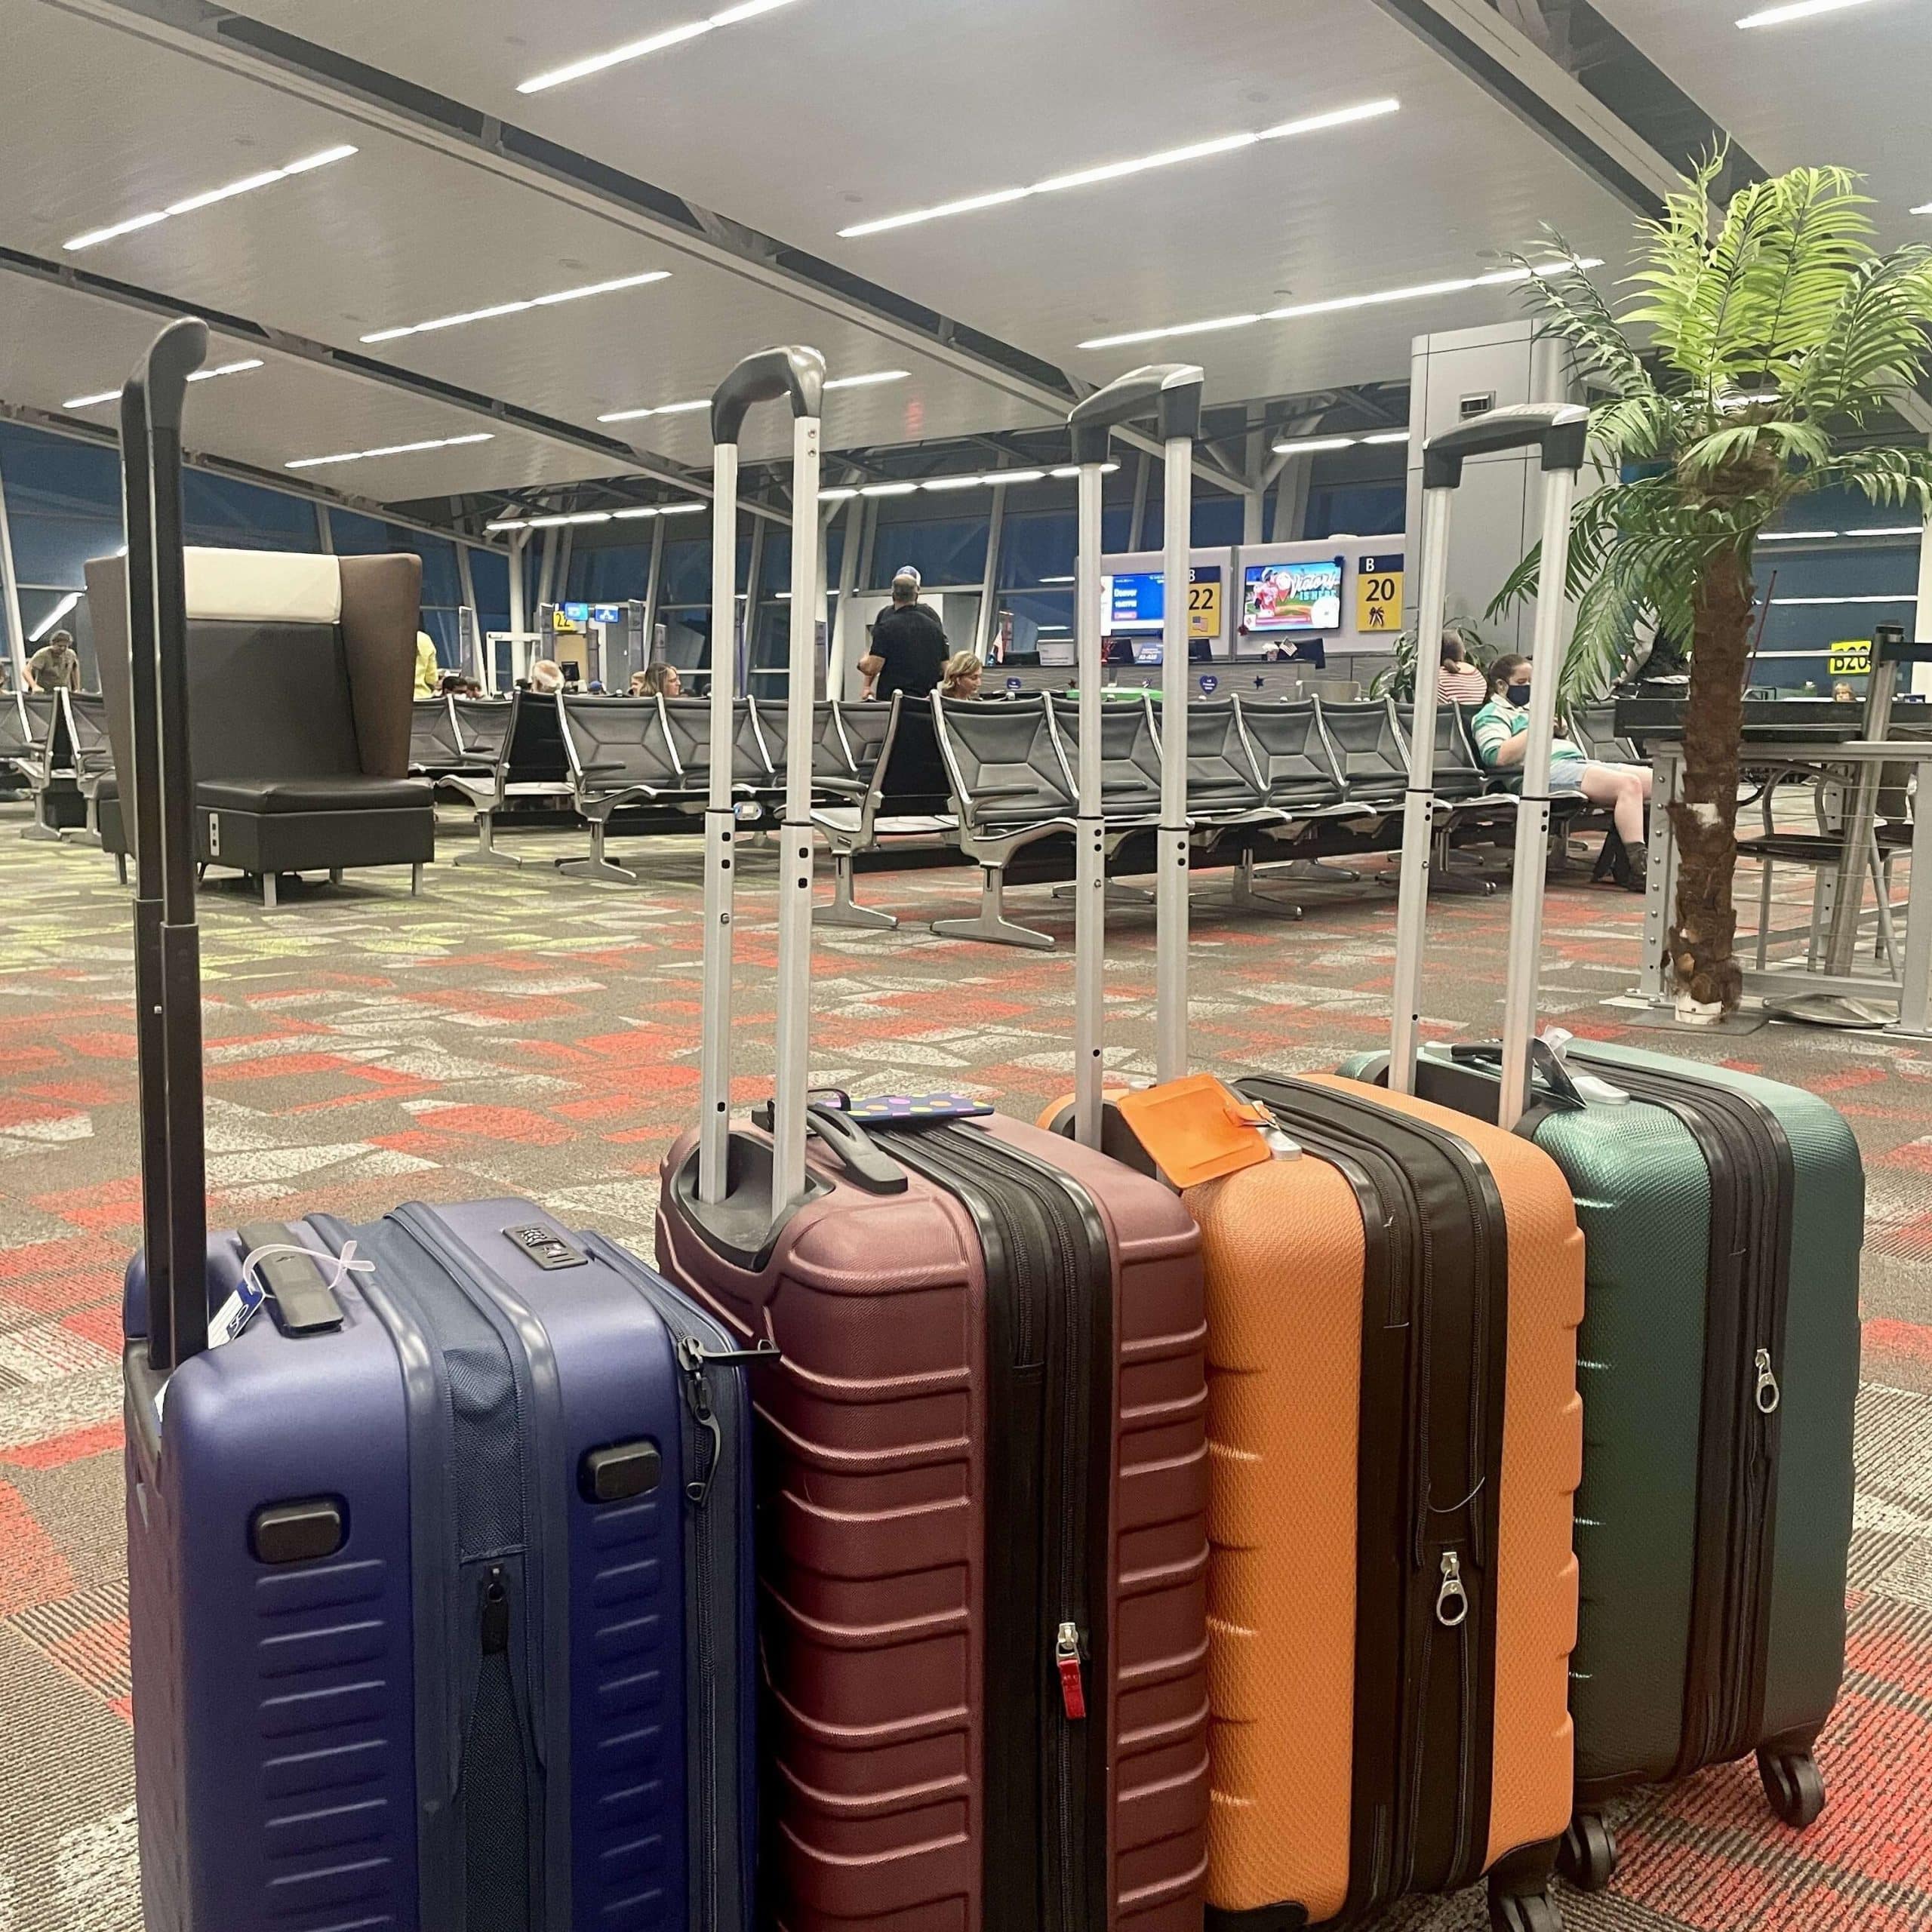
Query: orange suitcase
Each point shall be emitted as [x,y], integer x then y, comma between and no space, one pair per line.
[1395,1434]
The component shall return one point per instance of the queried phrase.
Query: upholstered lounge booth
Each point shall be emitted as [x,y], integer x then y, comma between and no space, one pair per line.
[301,670]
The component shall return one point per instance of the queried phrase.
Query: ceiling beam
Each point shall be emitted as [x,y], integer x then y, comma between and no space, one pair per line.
[1510,66]
[238,44]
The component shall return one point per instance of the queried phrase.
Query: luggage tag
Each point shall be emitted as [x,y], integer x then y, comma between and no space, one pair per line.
[1197,1130]
[915,1110]
[245,1303]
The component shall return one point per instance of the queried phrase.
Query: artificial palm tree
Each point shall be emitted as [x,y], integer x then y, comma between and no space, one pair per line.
[1772,336]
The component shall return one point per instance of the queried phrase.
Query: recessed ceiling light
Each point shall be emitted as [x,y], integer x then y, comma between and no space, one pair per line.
[1308,445]
[704,402]
[549,301]
[656,43]
[53,616]
[199,376]
[1798,10]
[1495,279]
[1115,171]
[247,185]
[389,449]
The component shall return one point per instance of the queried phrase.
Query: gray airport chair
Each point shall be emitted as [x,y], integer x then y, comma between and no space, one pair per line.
[1009,790]
[42,766]
[619,753]
[1368,751]
[755,765]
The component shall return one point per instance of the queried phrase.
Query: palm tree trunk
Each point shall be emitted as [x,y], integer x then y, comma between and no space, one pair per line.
[1702,941]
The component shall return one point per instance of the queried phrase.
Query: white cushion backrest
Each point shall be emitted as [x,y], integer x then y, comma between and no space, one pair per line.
[263,587]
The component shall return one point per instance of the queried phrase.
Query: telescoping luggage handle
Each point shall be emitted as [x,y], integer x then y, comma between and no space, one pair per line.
[796,376]
[1169,392]
[1561,430]
[167,945]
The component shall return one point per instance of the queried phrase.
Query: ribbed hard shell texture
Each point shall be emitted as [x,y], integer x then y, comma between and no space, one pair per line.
[1283,1248]
[873,1539]
[1820,1382]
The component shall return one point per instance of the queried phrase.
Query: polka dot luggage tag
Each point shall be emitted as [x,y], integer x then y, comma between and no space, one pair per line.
[916,1110]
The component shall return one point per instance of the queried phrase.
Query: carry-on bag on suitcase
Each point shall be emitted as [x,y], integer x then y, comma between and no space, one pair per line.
[439,1569]
[1392,1295]
[981,1465]
[1723,1216]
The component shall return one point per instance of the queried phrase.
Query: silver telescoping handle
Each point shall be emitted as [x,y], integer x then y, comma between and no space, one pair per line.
[1170,393]
[1561,430]
[797,376]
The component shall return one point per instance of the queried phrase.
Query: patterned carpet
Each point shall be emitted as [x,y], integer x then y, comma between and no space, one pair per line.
[513,1032]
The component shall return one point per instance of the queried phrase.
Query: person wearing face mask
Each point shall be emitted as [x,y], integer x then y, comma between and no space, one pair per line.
[1501,731]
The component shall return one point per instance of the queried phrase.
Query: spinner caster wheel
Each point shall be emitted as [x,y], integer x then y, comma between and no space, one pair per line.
[1588,1855]
[1794,1786]
[1524,1911]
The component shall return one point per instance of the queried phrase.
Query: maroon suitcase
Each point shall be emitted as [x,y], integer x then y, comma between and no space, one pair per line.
[981,1456]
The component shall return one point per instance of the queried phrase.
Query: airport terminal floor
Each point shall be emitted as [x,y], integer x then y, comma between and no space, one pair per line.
[514,1033]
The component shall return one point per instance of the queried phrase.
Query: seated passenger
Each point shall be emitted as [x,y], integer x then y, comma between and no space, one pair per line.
[961,676]
[428,670]
[546,675]
[1500,729]
[656,680]
[1461,683]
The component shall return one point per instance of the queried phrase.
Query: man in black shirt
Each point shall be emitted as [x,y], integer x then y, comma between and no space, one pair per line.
[909,647]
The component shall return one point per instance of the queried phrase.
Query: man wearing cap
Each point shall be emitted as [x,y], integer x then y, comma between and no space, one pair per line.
[56,664]
[909,647]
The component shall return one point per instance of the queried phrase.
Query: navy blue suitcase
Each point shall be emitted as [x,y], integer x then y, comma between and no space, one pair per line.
[440,1575]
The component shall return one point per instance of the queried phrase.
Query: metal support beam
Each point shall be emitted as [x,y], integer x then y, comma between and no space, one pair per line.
[10,587]
[838,670]
[324,530]
[546,570]
[1922,673]
[1137,530]
[989,580]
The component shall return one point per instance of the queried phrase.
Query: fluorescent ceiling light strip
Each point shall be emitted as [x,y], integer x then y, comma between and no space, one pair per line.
[1334,304]
[1308,445]
[634,511]
[1924,208]
[656,43]
[1387,436]
[1058,580]
[246,186]
[1116,170]
[199,376]
[704,402]
[837,496]
[391,449]
[889,490]
[1797,536]
[1889,530]
[1903,597]
[53,616]
[1798,10]
[518,307]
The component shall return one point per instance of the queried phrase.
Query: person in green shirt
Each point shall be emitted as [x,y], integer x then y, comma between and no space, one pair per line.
[1501,729]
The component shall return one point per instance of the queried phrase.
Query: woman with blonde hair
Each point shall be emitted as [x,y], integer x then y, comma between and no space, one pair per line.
[959,677]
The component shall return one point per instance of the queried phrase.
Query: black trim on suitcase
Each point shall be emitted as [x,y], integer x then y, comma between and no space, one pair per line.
[1050,1408]
[1437,1248]
[1752,1175]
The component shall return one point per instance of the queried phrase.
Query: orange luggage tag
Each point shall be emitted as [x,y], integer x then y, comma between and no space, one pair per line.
[1197,1130]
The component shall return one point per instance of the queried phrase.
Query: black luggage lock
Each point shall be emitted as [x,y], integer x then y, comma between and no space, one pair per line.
[302,1532]
[623,1470]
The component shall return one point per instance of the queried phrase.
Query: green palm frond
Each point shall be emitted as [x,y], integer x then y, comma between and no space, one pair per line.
[1875,345]
[1754,447]
[1572,309]
[1892,479]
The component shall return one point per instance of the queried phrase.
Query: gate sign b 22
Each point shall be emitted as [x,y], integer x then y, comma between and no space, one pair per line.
[1379,594]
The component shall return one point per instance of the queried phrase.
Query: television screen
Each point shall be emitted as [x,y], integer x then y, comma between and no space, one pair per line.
[1293,597]
[1134,603]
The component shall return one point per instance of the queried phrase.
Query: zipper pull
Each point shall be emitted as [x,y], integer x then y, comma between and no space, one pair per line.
[1452,1601]
[693,1354]
[1769,1395]
[1067,1660]
[495,1632]
[697,1399]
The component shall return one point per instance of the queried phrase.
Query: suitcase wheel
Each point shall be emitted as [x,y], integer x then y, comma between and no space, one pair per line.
[1588,1855]
[1523,1912]
[1794,1786]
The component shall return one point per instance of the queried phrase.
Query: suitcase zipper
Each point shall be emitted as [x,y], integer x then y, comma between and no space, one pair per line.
[1749,1164]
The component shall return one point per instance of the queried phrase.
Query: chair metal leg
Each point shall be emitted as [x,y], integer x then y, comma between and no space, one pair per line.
[1118,893]
[1244,897]
[335,874]
[1444,877]
[598,864]
[1886,949]
[121,867]
[991,924]
[1766,868]
[486,853]
[844,909]
[269,901]
[415,879]
[37,830]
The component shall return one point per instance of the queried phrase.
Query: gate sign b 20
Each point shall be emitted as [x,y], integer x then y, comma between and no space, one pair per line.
[1379,593]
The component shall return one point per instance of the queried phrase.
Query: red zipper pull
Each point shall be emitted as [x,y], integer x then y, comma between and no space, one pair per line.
[1066,1656]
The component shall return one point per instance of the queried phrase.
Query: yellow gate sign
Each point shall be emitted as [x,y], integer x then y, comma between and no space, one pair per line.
[1203,603]
[1852,660]
[1379,594]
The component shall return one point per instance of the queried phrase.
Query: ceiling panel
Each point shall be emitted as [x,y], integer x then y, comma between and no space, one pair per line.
[59,344]
[1846,88]
[864,108]
[402,232]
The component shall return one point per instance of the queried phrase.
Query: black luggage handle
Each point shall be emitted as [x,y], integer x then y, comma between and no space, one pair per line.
[1545,1064]
[167,946]
[1560,429]
[1170,392]
[864,1161]
[305,1303]
[798,375]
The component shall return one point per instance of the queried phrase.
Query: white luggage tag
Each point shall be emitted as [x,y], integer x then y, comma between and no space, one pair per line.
[1557,1039]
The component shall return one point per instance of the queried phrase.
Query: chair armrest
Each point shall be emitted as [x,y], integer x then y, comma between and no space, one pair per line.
[850,788]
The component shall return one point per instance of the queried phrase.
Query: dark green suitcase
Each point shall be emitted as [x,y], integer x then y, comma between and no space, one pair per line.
[1723,1216]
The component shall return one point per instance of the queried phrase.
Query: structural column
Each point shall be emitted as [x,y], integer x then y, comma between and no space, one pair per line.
[10,587]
